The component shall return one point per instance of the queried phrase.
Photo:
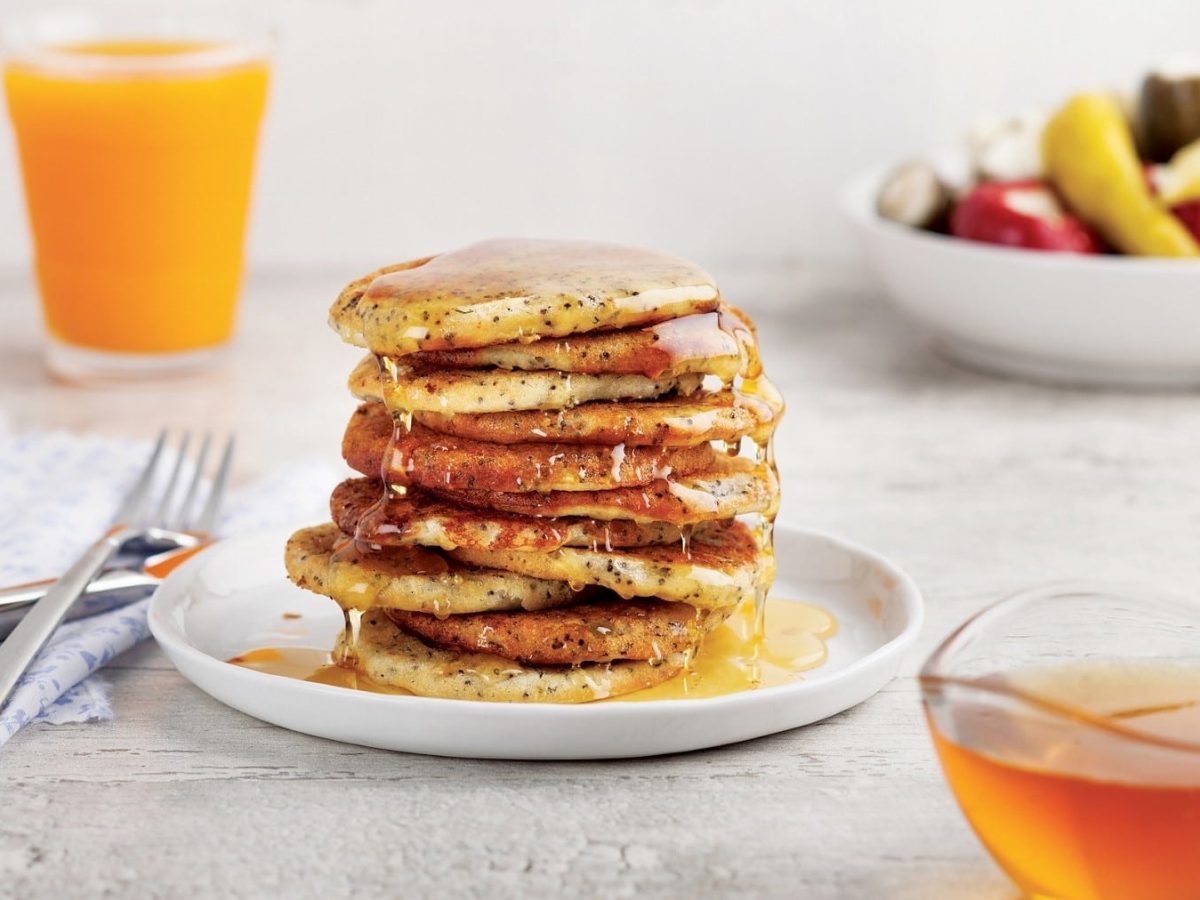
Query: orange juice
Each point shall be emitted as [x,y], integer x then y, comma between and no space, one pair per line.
[1075,811]
[137,180]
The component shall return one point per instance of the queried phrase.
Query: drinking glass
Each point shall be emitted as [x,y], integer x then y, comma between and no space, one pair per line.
[137,136]
[1067,722]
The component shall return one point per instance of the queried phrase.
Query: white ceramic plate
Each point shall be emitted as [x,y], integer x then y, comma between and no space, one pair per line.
[232,598]
[1098,320]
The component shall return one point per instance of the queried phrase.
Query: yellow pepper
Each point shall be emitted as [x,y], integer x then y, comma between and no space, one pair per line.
[1179,180]
[1089,155]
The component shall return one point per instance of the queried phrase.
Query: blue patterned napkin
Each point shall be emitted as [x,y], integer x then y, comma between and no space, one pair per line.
[44,527]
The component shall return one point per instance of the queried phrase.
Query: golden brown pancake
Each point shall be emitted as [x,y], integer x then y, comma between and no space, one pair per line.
[726,415]
[500,390]
[323,560]
[430,459]
[500,291]
[733,487]
[721,567]
[423,519]
[718,343]
[596,631]
[388,655]
[345,306]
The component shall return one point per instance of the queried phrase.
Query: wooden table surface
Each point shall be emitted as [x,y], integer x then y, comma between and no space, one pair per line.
[977,486]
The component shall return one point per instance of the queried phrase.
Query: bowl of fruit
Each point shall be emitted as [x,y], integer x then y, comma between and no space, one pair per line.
[1062,245]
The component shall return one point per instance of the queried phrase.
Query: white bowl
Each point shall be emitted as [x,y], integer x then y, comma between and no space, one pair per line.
[1107,320]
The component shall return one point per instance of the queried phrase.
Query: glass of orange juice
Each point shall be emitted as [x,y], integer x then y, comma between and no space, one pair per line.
[1067,722]
[137,138]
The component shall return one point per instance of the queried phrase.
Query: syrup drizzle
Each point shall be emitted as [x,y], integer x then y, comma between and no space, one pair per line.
[402,420]
[736,657]
[733,658]
[310,664]
[718,343]
[758,391]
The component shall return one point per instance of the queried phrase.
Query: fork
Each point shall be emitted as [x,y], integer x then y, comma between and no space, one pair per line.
[137,520]
[138,569]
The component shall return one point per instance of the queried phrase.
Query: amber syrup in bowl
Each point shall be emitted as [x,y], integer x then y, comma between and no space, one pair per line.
[1067,723]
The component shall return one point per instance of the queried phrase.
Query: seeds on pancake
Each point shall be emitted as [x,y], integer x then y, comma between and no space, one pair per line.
[428,459]
[721,567]
[733,487]
[345,316]
[498,390]
[727,415]
[389,655]
[548,383]
[423,519]
[717,343]
[496,292]
[597,631]
[409,578]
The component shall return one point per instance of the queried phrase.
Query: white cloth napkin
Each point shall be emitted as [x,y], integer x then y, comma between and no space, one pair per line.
[58,492]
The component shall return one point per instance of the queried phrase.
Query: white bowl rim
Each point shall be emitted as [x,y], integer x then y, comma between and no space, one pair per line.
[857,202]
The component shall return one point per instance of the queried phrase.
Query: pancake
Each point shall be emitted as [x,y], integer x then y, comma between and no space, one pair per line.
[429,459]
[423,519]
[721,567]
[389,655]
[727,415]
[733,487]
[323,560]
[718,343]
[599,631]
[500,291]
[500,390]
[347,301]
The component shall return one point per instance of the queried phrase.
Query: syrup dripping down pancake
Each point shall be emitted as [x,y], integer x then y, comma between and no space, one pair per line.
[719,343]
[430,459]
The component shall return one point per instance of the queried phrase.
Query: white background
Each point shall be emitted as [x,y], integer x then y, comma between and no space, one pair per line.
[719,129]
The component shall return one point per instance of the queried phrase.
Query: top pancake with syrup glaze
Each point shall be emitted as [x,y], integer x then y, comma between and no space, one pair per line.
[501,291]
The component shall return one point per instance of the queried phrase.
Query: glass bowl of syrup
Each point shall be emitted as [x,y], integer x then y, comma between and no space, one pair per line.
[1067,722]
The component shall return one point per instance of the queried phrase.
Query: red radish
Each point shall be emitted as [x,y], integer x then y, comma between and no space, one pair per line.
[1189,214]
[1021,214]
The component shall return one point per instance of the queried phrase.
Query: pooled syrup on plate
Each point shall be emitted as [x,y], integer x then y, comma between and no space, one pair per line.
[730,660]
[734,658]
[309,664]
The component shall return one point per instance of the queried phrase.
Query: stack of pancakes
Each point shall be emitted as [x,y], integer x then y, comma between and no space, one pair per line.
[557,502]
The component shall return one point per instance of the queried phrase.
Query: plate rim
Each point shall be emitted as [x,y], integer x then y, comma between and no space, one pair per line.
[907,591]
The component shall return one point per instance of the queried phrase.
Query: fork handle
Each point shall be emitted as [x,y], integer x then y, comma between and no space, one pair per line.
[113,588]
[23,644]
